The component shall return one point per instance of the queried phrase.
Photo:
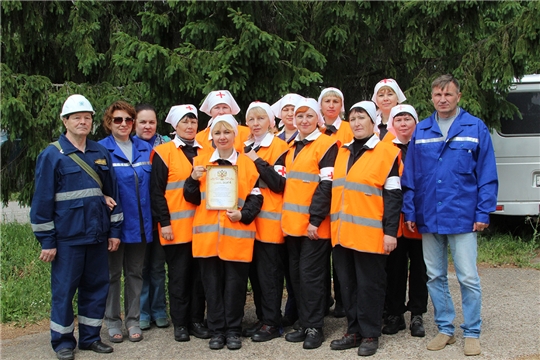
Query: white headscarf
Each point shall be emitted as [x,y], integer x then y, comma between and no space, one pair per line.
[391,83]
[219,97]
[176,113]
[289,99]
[336,90]
[403,108]
[312,104]
[266,107]
[229,119]
[369,107]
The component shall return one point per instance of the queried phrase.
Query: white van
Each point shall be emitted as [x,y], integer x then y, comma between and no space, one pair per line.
[517,152]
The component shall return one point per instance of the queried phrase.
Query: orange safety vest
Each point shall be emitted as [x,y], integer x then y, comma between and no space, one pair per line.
[181,211]
[357,201]
[213,233]
[344,134]
[202,139]
[268,222]
[302,181]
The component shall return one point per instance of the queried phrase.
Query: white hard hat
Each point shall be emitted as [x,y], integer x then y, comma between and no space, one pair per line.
[76,103]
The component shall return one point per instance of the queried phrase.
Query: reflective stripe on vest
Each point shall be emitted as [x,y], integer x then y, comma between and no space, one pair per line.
[43,227]
[203,229]
[62,329]
[77,194]
[304,176]
[427,141]
[185,214]
[302,209]
[246,234]
[269,215]
[175,185]
[356,220]
[464,138]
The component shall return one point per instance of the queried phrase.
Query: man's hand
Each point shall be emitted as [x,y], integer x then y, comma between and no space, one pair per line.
[114,243]
[390,243]
[478,226]
[47,255]
[166,233]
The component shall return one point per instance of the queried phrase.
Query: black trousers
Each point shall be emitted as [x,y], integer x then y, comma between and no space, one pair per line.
[363,284]
[291,309]
[225,289]
[398,270]
[179,260]
[198,301]
[308,266]
[266,274]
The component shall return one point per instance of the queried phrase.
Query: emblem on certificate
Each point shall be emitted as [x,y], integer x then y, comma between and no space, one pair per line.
[221,187]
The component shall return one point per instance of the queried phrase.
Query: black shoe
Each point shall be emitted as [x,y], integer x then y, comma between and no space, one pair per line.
[181,333]
[217,342]
[296,325]
[339,311]
[314,338]
[200,331]
[248,332]
[266,332]
[394,324]
[65,354]
[296,336]
[368,346]
[99,347]
[234,342]
[417,326]
[348,341]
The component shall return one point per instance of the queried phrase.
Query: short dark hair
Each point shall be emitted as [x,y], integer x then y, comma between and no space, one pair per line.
[144,106]
[443,81]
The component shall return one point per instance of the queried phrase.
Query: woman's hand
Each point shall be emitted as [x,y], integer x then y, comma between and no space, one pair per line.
[198,172]
[166,233]
[390,243]
[312,232]
[234,215]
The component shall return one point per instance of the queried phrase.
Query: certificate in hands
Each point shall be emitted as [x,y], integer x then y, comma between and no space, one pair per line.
[221,187]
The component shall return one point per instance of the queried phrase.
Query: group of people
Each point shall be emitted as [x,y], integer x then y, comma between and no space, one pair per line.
[365,204]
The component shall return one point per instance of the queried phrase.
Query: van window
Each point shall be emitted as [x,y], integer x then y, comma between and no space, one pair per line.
[528,104]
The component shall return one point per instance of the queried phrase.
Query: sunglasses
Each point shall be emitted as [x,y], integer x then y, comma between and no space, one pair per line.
[118,120]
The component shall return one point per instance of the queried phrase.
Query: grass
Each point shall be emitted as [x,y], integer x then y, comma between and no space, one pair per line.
[25,294]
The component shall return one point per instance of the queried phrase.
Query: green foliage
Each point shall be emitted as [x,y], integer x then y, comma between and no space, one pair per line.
[26,283]
[506,249]
[167,53]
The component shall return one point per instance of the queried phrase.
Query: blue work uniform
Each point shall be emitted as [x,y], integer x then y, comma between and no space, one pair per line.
[69,213]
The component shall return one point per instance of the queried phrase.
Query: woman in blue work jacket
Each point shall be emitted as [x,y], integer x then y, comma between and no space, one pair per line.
[131,163]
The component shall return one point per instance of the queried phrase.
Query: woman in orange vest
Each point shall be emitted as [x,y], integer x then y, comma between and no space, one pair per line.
[267,269]
[332,104]
[220,102]
[386,95]
[171,165]
[284,109]
[223,239]
[305,220]
[407,260]
[366,205]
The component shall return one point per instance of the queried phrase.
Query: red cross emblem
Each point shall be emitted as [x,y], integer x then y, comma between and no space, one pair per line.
[385,81]
[189,107]
[220,95]
[282,172]
[331,175]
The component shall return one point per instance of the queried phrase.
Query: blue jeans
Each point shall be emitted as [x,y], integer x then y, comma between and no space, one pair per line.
[463,248]
[153,305]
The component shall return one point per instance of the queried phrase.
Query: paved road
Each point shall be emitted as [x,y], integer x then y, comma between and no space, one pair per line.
[511,330]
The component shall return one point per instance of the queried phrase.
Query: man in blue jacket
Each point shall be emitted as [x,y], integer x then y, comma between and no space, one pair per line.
[449,188]
[71,219]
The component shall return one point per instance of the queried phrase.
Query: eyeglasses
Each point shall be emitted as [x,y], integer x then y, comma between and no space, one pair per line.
[118,120]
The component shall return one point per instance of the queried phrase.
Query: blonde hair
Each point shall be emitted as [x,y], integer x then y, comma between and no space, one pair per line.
[332,93]
[223,124]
